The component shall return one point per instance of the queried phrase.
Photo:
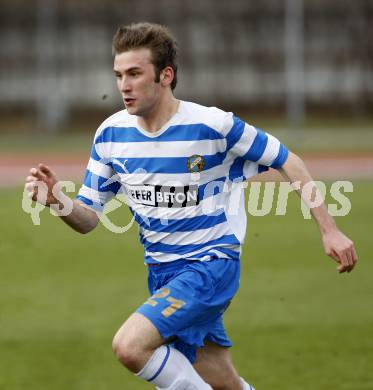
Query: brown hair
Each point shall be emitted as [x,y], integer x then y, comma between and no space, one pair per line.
[155,37]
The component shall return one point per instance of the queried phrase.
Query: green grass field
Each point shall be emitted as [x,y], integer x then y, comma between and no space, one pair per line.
[296,323]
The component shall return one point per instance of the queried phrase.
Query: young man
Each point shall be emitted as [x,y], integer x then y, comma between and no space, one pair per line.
[178,163]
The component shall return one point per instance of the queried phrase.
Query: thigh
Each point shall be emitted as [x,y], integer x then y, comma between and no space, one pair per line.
[139,333]
[214,364]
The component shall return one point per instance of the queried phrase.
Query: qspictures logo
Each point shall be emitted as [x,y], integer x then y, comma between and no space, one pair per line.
[262,199]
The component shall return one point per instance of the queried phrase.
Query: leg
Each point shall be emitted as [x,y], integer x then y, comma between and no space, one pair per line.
[139,346]
[187,302]
[136,341]
[214,365]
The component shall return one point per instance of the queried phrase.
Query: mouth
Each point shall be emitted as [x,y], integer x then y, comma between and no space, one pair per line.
[128,101]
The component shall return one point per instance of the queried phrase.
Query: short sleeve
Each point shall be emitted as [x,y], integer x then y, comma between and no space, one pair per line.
[253,144]
[253,149]
[101,182]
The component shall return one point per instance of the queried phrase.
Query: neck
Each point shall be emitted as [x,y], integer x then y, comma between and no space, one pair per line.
[160,115]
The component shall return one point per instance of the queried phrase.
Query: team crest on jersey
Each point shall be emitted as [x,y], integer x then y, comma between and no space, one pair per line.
[196,163]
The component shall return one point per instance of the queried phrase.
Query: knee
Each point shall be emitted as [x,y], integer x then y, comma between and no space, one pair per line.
[128,352]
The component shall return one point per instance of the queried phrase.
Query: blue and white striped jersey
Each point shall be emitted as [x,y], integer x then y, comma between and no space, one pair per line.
[181,182]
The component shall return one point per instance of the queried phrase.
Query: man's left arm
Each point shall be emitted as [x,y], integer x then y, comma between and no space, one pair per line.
[336,244]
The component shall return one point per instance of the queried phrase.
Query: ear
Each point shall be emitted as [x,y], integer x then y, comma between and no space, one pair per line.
[166,76]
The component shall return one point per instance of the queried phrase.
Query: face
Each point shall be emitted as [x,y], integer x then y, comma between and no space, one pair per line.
[135,76]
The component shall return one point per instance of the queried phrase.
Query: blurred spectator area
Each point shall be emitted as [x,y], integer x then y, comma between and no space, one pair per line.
[56,55]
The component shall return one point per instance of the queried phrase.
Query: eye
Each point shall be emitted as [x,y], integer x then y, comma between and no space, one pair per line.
[135,72]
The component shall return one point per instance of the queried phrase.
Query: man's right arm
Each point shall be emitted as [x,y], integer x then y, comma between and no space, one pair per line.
[81,218]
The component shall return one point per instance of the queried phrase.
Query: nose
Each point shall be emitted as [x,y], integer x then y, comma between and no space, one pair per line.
[124,84]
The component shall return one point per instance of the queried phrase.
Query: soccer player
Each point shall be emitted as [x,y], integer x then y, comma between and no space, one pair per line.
[179,165]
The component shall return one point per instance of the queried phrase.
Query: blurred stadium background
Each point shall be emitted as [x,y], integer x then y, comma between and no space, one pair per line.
[291,59]
[300,69]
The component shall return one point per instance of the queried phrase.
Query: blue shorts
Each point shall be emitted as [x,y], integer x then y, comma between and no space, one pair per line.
[189,299]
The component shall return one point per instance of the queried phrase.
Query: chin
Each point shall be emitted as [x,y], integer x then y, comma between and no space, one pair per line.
[131,110]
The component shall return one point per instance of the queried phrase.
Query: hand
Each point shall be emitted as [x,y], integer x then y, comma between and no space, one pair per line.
[45,194]
[341,249]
